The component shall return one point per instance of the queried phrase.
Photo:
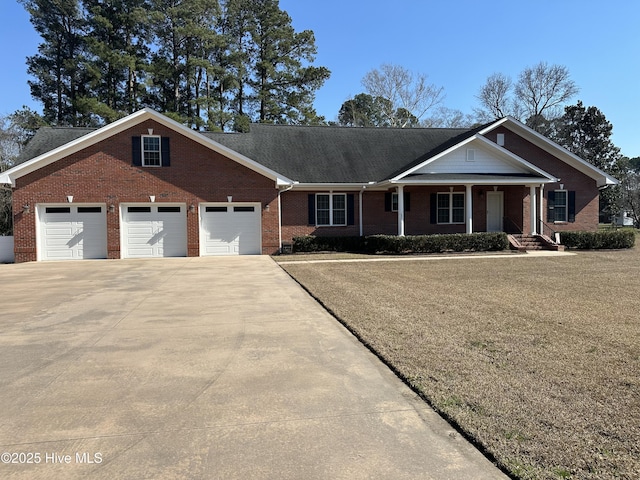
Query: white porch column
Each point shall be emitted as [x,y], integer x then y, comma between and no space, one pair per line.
[541,209]
[532,208]
[400,192]
[469,208]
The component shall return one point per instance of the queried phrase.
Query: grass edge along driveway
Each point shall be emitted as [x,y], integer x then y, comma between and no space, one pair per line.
[537,360]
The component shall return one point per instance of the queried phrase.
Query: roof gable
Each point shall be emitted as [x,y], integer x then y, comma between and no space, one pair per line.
[78,139]
[561,153]
[487,158]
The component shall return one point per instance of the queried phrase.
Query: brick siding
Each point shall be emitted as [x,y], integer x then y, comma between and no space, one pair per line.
[103,173]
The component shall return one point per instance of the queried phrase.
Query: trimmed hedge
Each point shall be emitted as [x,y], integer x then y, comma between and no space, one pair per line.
[459,242]
[603,239]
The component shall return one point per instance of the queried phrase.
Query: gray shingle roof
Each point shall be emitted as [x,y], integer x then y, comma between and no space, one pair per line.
[339,154]
[310,154]
[50,138]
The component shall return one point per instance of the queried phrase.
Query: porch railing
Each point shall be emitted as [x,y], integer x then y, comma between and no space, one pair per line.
[510,226]
[545,227]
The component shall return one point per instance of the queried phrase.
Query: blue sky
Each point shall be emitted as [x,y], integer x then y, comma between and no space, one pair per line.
[457,44]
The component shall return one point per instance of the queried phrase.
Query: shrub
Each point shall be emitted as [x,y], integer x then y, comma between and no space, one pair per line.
[475,242]
[311,243]
[609,239]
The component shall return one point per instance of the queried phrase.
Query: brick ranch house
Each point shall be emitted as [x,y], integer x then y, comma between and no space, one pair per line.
[147,186]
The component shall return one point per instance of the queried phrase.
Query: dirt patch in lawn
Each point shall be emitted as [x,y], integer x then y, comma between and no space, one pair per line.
[537,360]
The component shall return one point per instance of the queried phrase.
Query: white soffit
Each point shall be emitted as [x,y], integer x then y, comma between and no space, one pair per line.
[454,160]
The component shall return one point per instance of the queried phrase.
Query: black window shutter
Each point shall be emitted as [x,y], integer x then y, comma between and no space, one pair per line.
[312,208]
[551,203]
[136,151]
[433,200]
[407,201]
[165,151]
[572,206]
[387,202]
[351,217]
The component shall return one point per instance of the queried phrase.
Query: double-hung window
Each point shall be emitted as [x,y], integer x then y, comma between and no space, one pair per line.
[450,207]
[151,154]
[561,206]
[331,209]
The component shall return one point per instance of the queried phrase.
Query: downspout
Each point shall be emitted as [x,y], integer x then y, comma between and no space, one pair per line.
[280,216]
[360,210]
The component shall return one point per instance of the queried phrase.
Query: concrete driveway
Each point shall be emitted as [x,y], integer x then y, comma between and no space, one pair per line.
[200,368]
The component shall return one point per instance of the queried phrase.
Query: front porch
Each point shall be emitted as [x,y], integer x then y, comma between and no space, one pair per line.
[436,209]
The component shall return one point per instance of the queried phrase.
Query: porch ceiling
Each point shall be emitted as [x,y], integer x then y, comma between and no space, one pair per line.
[474,179]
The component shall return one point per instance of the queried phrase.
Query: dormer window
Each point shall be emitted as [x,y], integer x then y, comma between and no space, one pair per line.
[151,151]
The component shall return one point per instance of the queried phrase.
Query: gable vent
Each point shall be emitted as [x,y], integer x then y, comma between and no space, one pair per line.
[500,139]
[471,155]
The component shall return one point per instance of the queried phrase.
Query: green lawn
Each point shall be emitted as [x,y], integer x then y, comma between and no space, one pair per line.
[537,360]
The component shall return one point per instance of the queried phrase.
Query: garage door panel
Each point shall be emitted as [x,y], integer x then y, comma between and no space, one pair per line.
[72,232]
[230,230]
[154,231]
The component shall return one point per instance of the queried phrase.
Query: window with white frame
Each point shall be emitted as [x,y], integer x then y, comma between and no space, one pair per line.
[451,207]
[331,209]
[151,156]
[560,206]
[394,202]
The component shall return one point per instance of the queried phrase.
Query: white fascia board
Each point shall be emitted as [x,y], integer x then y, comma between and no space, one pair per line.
[503,152]
[331,186]
[512,157]
[431,159]
[123,124]
[487,181]
[602,178]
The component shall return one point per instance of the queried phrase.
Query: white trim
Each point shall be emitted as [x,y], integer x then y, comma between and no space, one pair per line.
[451,193]
[507,155]
[602,178]
[9,176]
[331,209]
[566,205]
[143,151]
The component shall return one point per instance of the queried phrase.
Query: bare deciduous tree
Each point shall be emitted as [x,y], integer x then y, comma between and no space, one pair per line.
[542,88]
[495,98]
[535,98]
[406,92]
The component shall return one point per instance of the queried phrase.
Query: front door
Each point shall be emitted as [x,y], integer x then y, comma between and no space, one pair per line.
[495,211]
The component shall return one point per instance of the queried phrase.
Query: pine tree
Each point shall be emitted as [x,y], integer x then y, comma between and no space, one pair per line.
[58,81]
[117,47]
[283,82]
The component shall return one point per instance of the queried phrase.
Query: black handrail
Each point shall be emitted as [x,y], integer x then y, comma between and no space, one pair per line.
[507,222]
[553,232]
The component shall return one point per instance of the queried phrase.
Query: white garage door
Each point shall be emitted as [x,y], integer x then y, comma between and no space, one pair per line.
[154,230]
[230,229]
[71,232]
